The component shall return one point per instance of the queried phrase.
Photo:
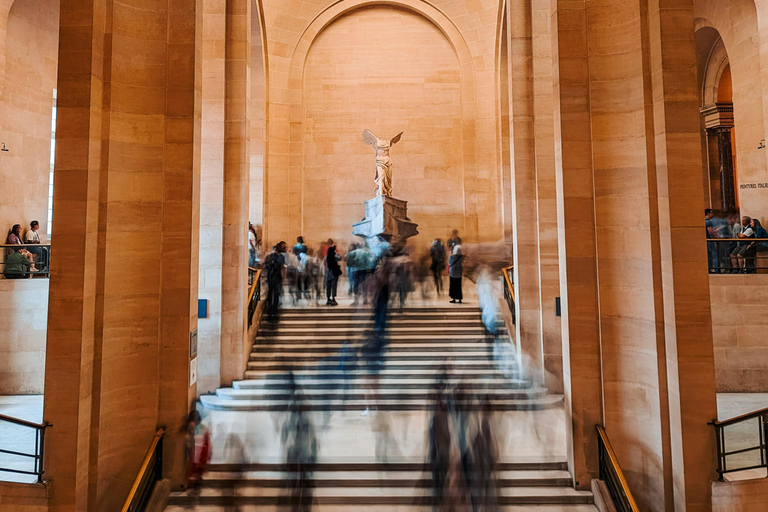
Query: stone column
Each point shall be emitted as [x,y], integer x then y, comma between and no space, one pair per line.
[525,232]
[576,238]
[687,322]
[234,270]
[546,197]
[123,285]
[211,193]
[74,312]
[727,185]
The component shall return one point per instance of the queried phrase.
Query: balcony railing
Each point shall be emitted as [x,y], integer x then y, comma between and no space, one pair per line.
[28,463]
[613,476]
[741,443]
[720,260]
[39,265]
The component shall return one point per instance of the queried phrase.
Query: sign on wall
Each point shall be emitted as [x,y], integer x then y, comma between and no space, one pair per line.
[193,372]
[193,344]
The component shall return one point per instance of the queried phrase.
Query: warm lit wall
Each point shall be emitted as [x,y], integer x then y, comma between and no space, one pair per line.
[738,325]
[742,496]
[744,43]
[387,70]
[257,121]
[24,306]
[30,48]
[469,30]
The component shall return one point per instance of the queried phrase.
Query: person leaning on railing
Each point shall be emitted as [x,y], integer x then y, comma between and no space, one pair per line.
[17,264]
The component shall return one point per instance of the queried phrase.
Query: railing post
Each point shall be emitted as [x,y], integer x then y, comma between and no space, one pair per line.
[764,442]
[720,461]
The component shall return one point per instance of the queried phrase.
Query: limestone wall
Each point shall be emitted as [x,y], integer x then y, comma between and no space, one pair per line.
[742,27]
[739,306]
[24,310]
[432,75]
[29,51]
[743,496]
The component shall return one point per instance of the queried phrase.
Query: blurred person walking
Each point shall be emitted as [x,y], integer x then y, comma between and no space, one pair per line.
[455,264]
[332,273]
[373,353]
[198,451]
[301,447]
[454,240]
[437,253]
[314,274]
[402,274]
[439,449]
[351,260]
[381,280]
[275,269]
[485,454]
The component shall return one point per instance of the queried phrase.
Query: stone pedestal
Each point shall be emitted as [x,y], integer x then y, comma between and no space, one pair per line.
[386,217]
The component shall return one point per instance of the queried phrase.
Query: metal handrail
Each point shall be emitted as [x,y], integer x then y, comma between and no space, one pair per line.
[737,419]
[509,292]
[38,456]
[254,296]
[141,490]
[613,476]
[761,442]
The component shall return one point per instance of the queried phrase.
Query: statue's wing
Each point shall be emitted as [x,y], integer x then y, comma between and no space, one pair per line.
[369,138]
[395,139]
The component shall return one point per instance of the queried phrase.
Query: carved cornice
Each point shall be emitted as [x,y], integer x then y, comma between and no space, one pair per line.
[717,116]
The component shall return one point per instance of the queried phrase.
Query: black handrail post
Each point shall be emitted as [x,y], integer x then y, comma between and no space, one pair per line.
[764,441]
[720,457]
[159,461]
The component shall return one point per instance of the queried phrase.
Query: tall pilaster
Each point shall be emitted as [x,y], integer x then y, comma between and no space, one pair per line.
[576,238]
[687,316]
[234,271]
[525,231]
[124,282]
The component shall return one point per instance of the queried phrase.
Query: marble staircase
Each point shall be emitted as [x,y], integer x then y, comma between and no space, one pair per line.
[427,346]
[423,344]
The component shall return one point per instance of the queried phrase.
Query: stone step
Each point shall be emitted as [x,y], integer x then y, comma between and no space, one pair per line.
[423,479]
[386,373]
[473,321]
[216,403]
[332,381]
[542,463]
[408,310]
[458,346]
[340,338]
[378,496]
[390,355]
[433,363]
[357,391]
[436,331]
[384,508]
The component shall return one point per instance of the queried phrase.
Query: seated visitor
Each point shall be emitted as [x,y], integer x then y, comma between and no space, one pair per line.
[18,264]
[14,237]
[738,256]
[757,246]
[33,237]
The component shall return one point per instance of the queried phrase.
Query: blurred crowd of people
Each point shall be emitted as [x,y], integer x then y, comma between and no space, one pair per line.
[374,276]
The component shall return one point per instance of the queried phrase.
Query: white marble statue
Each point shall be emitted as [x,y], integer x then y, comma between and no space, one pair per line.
[383,177]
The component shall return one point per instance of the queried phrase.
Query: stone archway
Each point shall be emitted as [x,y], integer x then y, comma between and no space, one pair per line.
[284,215]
